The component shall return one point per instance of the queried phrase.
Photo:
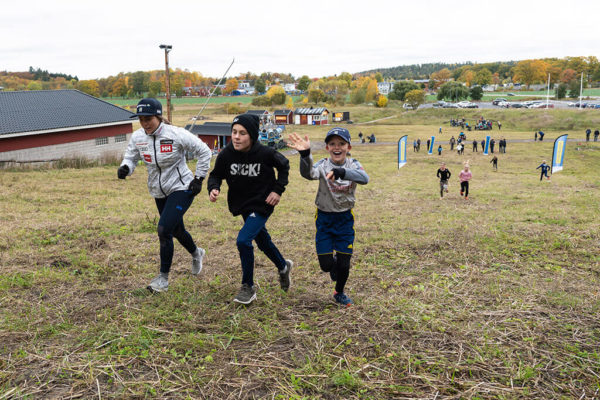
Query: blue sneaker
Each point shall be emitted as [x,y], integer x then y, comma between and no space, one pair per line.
[342,299]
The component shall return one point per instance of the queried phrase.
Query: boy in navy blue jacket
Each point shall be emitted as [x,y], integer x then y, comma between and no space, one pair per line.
[248,167]
[338,177]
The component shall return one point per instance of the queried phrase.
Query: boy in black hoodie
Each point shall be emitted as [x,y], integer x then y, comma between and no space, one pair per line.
[248,168]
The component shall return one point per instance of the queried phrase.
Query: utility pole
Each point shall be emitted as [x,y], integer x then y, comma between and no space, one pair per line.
[167,48]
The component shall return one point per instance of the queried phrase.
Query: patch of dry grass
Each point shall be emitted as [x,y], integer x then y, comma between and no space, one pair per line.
[494,297]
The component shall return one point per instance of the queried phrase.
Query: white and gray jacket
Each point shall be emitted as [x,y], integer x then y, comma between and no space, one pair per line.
[164,153]
[336,195]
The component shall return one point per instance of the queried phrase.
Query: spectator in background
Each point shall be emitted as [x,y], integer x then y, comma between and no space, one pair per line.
[535,136]
[475,145]
[596,134]
[588,132]
[452,143]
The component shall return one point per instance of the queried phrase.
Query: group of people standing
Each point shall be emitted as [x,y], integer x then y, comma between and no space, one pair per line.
[257,176]
[588,132]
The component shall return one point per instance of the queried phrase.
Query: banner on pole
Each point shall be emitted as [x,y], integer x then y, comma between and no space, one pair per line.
[486,148]
[558,154]
[430,149]
[402,151]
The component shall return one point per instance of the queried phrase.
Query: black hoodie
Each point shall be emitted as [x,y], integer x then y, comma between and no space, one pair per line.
[250,176]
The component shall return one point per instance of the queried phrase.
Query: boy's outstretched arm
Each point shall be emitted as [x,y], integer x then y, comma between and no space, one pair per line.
[307,169]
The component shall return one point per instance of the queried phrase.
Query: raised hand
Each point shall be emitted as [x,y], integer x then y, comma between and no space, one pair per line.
[297,143]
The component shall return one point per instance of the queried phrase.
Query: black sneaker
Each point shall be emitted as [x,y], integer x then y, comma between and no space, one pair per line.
[246,295]
[284,276]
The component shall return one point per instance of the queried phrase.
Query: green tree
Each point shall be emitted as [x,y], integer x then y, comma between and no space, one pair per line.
[316,95]
[379,77]
[476,93]
[574,88]
[415,98]
[34,85]
[346,76]
[452,90]
[154,88]
[303,83]
[483,77]
[139,82]
[561,91]
[90,87]
[260,86]
[401,88]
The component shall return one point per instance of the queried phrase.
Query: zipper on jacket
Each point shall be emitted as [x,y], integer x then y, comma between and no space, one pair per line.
[179,173]
[157,166]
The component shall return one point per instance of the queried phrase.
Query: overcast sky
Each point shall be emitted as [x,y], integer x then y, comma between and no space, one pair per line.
[96,39]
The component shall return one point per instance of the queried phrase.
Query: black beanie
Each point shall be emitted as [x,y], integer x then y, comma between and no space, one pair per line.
[250,122]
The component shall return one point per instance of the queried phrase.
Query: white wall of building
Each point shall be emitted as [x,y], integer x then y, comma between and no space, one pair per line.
[84,148]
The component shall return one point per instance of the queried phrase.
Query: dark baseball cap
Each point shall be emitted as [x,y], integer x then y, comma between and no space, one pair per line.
[148,106]
[341,132]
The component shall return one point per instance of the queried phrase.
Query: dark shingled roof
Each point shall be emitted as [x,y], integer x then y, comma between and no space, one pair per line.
[40,110]
[257,112]
[211,128]
[283,112]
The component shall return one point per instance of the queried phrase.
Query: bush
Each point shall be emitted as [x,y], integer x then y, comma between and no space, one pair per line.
[561,91]
[264,101]
[382,102]
[476,93]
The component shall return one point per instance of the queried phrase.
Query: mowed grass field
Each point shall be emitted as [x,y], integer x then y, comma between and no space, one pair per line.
[495,297]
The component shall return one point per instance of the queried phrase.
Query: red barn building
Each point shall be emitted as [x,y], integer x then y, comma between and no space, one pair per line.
[284,117]
[215,134]
[47,125]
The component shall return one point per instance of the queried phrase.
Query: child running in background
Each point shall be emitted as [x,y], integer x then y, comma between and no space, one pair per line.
[465,176]
[444,175]
[248,167]
[494,162]
[545,168]
[338,177]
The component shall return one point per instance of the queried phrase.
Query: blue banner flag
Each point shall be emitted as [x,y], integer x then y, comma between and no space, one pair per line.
[430,149]
[558,154]
[486,148]
[402,151]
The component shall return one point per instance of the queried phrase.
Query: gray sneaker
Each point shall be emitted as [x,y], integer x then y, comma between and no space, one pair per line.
[284,276]
[159,284]
[246,295]
[197,260]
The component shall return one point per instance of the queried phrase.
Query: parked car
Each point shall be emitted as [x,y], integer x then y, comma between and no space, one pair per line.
[504,104]
[541,105]
[467,104]
[439,104]
[449,105]
[516,104]
[498,101]
[407,106]
[510,94]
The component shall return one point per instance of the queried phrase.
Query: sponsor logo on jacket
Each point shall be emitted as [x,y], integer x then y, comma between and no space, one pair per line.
[245,169]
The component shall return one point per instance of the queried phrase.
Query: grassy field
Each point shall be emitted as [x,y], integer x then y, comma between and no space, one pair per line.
[491,298]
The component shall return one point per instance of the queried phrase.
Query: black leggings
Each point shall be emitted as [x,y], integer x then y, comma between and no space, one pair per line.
[464,187]
[341,264]
[171,210]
